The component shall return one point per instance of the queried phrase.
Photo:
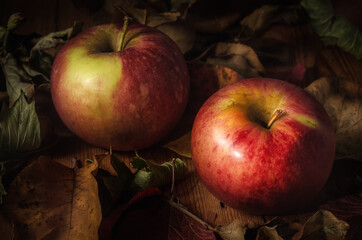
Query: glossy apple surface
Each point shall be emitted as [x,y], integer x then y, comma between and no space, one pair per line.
[258,169]
[127,99]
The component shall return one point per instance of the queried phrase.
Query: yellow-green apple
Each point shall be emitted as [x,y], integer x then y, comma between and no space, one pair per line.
[263,145]
[124,87]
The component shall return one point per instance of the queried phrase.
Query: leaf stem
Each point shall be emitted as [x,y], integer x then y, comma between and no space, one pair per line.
[124,32]
[173,178]
[274,117]
[188,213]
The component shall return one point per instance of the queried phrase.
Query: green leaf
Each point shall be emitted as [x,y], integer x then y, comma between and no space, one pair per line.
[19,126]
[140,163]
[35,74]
[17,81]
[333,30]
[158,174]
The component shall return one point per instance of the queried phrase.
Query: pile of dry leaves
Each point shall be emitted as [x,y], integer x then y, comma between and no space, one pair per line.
[103,198]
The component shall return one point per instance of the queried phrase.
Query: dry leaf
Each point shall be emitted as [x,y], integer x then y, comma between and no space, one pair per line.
[234,231]
[17,81]
[263,17]
[215,16]
[342,100]
[149,18]
[181,145]
[113,178]
[205,80]
[268,233]
[293,75]
[6,227]
[237,56]
[349,209]
[151,174]
[167,22]
[184,227]
[324,225]
[277,228]
[182,34]
[276,55]
[50,201]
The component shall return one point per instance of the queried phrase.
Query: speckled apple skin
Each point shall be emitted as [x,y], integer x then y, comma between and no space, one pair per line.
[128,99]
[258,170]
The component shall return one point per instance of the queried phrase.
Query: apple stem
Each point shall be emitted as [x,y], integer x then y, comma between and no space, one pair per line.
[274,117]
[124,31]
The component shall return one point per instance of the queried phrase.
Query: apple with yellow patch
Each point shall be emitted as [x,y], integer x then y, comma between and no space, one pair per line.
[263,145]
[120,86]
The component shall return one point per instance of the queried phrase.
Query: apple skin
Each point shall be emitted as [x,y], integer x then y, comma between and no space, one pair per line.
[259,170]
[126,99]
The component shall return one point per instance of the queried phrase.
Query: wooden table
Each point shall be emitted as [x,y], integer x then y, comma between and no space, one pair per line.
[48,16]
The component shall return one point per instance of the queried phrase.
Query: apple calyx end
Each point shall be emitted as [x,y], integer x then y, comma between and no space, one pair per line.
[274,117]
[126,21]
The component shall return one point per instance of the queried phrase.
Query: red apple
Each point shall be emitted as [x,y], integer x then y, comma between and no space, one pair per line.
[263,145]
[128,95]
